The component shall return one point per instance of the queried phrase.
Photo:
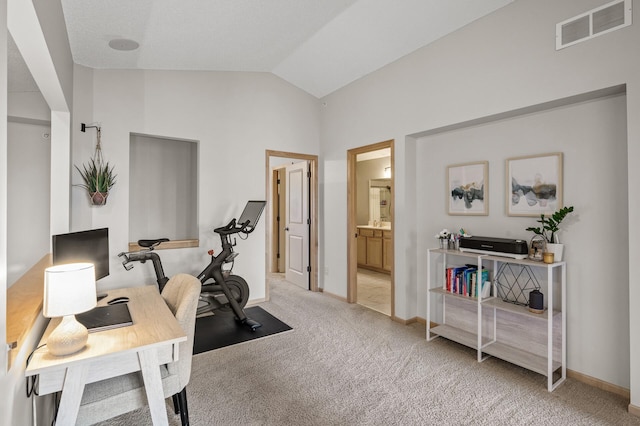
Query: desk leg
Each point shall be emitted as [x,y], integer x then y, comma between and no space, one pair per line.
[72,390]
[150,369]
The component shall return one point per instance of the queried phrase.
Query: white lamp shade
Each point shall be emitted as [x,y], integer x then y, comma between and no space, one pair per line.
[69,289]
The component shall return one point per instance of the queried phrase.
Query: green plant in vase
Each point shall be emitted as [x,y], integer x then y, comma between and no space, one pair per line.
[551,225]
[548,229]
[98,178]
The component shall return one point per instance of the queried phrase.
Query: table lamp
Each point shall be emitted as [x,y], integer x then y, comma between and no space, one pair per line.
[68,290]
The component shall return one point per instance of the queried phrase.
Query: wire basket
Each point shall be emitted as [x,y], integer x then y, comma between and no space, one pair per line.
[514,282]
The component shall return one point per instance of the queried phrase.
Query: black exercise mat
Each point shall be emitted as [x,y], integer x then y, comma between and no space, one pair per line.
[214,332]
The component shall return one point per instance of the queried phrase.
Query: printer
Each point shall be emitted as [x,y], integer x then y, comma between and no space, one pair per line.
[514,248]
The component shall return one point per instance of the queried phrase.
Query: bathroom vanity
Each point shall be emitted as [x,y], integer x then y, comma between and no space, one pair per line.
[375,247]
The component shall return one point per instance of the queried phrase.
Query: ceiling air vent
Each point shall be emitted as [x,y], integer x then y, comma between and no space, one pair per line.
[601,20]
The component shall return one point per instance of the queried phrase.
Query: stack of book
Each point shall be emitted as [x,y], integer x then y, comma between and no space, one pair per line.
[465,280]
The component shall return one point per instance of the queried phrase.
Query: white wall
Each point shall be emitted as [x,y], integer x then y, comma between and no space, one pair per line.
[234,116]
[28,105]
[83,145]
[592,137]
[171,165]
[503,62]
[29,174]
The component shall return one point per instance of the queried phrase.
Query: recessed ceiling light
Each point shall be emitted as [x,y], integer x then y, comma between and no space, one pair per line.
[123,44]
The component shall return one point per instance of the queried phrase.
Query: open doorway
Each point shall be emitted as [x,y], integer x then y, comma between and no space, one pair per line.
[292,218]
[370,223]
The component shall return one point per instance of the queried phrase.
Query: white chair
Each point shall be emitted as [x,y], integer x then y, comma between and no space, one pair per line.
[109,398]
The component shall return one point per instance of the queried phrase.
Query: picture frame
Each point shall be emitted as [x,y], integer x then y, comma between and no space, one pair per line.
[467,189]
[534,185]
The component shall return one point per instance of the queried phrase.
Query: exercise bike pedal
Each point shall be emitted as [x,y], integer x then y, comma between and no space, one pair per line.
[252,324]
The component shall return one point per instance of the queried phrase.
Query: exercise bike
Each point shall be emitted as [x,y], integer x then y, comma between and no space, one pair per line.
[222,292]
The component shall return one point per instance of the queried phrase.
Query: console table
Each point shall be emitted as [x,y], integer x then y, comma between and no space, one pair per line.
[492,326]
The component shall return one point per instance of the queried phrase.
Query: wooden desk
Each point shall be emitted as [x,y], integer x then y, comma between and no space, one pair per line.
[151,341]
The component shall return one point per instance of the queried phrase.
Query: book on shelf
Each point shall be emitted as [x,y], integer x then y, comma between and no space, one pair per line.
[484,279]
[464,280]
[457,279]
[474,282]
[468,281]
[486,289]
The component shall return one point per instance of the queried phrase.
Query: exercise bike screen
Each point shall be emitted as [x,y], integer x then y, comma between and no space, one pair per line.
[252,212]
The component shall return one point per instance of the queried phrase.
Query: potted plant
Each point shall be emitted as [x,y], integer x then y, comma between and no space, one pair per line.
[549,230]
[443,236]
[98,179]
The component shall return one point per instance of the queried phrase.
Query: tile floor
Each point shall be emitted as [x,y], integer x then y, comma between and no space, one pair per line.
[374,291]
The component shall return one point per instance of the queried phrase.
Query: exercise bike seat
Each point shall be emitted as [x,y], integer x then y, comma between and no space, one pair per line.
[151,243]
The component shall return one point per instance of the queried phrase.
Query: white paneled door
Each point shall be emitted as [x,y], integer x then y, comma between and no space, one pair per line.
[297,225]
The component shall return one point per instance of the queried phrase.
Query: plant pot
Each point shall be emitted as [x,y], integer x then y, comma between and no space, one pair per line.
[98,198]
[557,250]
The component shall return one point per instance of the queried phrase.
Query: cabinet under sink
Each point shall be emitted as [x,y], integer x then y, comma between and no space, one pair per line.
[375,248]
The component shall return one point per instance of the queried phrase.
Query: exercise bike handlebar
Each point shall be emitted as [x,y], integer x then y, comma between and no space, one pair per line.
[142,257]
[234,228]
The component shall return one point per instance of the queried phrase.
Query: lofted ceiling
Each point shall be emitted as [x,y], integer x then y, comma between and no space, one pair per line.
[316,45]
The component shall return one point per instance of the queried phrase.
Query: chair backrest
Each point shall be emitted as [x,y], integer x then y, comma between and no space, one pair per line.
[181,294]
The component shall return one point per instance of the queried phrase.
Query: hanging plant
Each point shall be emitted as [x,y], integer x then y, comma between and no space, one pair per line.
[98,180]
[97,175]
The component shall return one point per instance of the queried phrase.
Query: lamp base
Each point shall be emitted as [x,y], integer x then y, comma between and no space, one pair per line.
[68,337]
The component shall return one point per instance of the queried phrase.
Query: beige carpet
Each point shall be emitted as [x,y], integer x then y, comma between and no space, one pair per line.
[347,365]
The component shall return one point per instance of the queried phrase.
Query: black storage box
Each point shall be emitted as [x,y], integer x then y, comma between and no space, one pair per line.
[516,249]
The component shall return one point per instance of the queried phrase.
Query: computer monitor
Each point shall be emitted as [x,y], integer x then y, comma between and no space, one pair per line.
[251,213]
[85,246]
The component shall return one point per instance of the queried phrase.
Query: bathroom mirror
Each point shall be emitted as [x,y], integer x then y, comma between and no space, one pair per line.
[379,200]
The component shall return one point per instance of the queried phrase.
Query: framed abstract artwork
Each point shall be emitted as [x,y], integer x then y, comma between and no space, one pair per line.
[534,185]
[467,186]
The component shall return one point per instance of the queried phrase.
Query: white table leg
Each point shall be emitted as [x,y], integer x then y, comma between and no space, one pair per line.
[153,386]
[72,390]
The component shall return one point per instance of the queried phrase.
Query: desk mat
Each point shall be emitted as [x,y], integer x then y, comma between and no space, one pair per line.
[214,332]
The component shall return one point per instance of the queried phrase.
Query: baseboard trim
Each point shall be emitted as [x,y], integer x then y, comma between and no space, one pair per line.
[423,321]
[591,381]
[335,296]
[405,321]
[254,302]
[600,384]
[635,410]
